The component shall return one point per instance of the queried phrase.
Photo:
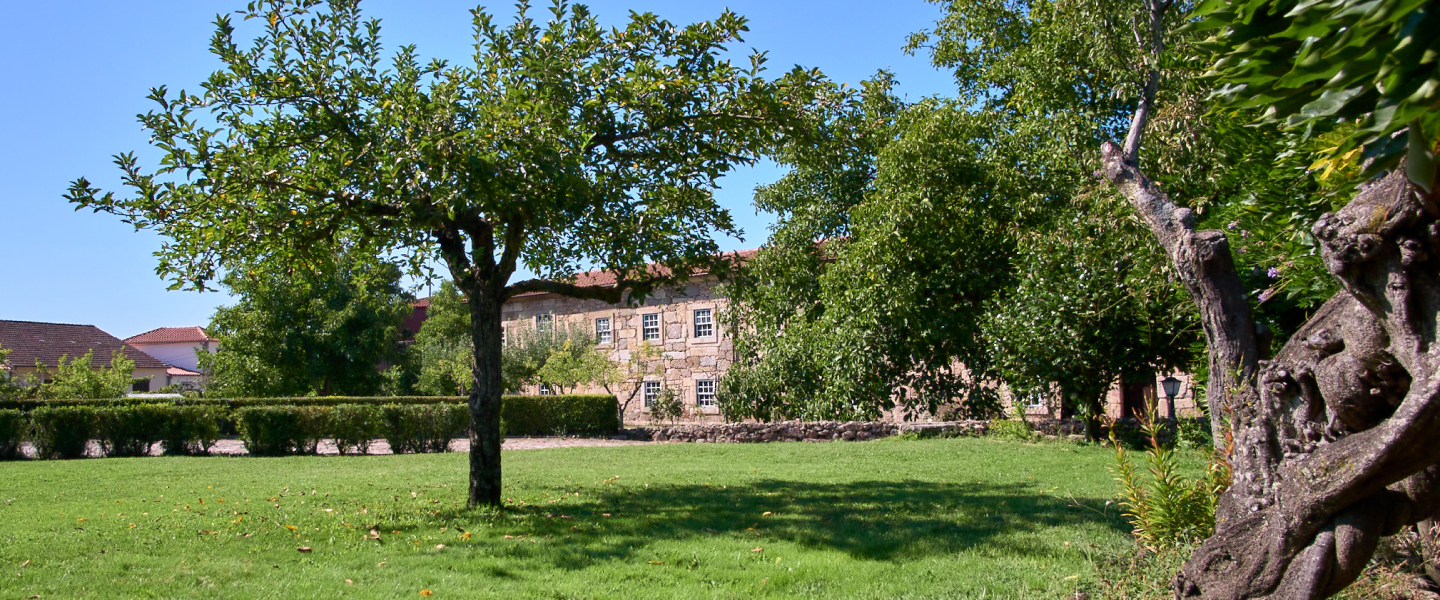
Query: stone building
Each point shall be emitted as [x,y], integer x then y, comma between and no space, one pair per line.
[694,350]
[691,348]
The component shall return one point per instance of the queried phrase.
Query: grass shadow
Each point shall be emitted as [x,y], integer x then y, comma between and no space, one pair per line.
[867,520]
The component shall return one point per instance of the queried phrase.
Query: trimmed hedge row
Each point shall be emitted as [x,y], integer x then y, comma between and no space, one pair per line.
[65,431]
[286,430]
[273,427]
[574,414]
[231,404]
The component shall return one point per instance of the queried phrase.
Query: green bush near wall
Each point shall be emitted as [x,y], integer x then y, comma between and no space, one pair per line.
[12,433]
[574,414]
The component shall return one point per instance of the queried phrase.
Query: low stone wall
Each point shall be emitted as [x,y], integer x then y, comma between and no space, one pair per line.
[827,431]
[799,431]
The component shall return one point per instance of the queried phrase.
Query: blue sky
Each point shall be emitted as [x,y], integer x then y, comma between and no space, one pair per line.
[77,73]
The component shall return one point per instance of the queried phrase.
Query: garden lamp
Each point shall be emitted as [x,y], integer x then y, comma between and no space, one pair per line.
[1172,389]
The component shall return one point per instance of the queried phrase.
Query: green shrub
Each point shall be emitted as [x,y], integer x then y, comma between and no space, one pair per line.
[62,431]
[424,427]
[281,430]
[129,430]
[574,414]
[190,430]
[353,426]
[1011,429]
[1170,509]
[12,432]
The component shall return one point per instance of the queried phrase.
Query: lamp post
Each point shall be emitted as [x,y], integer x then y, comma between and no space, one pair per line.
[1172,389]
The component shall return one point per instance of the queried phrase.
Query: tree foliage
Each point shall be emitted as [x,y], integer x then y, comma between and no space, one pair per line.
[1309,64]
[559,144]
[78,379]
[322,331]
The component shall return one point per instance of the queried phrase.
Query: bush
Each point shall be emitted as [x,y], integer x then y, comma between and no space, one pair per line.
[424,427]
[62,431]
[574,414]
[190,430]
[1170,509]
[129,430]
[353,426]
[1012,429]
[281,430]
[12,432]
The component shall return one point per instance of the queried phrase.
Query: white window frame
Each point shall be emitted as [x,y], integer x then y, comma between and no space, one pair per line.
[545,390]
[606,335]
[650,392]
[544,323]
[644,329]
[702,398]
[709,322]
[1033,400]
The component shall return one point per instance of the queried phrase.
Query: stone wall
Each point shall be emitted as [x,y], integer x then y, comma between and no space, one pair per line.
[828,431]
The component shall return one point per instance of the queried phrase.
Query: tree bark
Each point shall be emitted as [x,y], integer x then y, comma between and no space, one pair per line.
[1334,436]
[485,399]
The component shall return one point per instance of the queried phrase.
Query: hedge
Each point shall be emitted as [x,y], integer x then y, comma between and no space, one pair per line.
[284,426]
[574,414]
[12,432]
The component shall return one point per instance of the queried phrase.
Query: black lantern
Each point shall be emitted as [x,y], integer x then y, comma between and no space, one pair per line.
[1172,389]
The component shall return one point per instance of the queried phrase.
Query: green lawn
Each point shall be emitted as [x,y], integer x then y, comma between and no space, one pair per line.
[965,518]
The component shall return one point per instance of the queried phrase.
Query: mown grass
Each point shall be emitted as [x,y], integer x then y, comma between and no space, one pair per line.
[961,518]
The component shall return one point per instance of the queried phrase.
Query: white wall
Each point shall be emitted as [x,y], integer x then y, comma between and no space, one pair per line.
[180,354]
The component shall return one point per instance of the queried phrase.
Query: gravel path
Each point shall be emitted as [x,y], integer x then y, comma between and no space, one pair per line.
[235,447]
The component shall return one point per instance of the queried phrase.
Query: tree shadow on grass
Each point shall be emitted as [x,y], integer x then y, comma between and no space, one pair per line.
[868,520]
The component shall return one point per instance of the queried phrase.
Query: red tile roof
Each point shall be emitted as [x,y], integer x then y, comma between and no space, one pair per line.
[179,372]
[170,335]
[598,278]
[30,341]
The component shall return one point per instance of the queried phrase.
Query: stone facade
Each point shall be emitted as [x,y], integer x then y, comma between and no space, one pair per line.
[691,363]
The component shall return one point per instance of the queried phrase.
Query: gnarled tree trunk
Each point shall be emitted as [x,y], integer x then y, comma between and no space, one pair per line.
[1334,437]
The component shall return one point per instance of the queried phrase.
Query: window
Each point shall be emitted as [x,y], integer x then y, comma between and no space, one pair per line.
[650,327]
[602,330]
[545,390]
[704,323]
[542,322]
[504,336]
[652,393]
[1034,400]
[705,392]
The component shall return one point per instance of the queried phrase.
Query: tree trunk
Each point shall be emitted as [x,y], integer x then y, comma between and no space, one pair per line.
[1334,437]
[485,398]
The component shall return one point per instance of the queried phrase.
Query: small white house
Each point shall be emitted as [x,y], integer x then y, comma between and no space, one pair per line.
[176,346]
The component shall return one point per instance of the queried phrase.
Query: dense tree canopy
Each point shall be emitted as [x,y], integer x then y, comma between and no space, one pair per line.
[559,144]
[326,330]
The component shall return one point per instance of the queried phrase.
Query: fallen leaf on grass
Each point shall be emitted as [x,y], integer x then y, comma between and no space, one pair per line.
[439,546]
[349,582]
[509,537]
[381,564]
[758,550]
[766,513]
[656,562]
[24,564]
[427,593]
[303,548]
[465,536]
[290,527]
